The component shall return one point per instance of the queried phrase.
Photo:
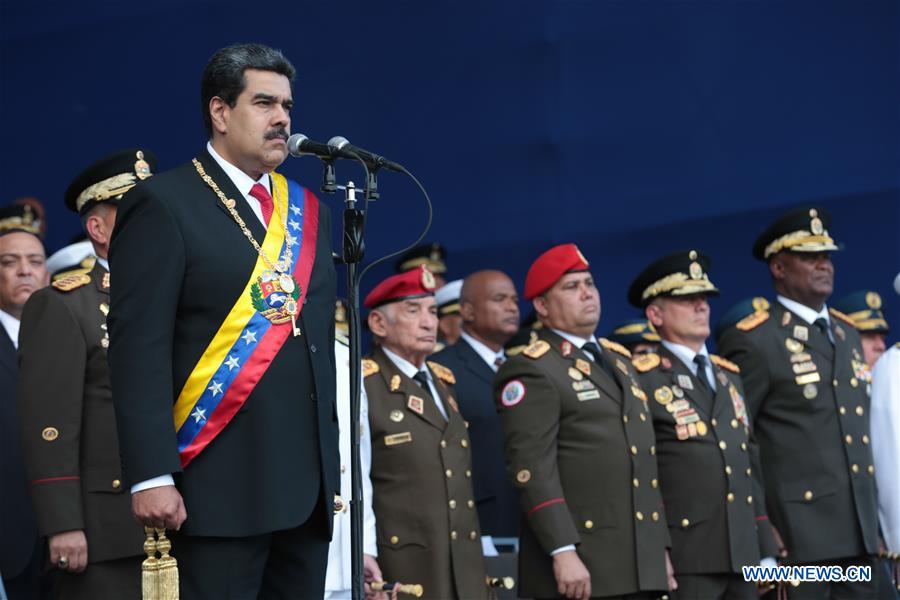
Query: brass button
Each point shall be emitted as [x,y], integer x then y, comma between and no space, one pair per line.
[343,468]
[714,422]
[730,497]
[443,443]
[744,446]
[452,504]
[865,439]
[807,495]
[871,469]
[639,515]
[655,516]
[473,535]
[634,450]
[842,410]
[749,499]
[749,471]
[448,473]
[470,504]
[643,417]
[588,524]
[635,482]
[468,473]
[734,424]
[685,523]
[727,469]
[464,443]
[652,450]
[453,535]
[834,382]
[625,418]
[654,483]
[848,438]
[49,434]
[859,410]
[854,382]
[116,484]
[854,467]
[722,445]
[395,540]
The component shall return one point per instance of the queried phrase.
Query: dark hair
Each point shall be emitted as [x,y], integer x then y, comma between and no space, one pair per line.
[223,75]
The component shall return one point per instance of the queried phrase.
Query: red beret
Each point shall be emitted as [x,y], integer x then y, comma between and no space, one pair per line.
[415,283]
[551,266]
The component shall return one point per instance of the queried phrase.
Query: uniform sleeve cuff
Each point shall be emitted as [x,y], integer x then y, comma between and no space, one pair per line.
[569,548]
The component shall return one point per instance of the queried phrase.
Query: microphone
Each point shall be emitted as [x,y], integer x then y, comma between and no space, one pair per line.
[300,145]
[341,146]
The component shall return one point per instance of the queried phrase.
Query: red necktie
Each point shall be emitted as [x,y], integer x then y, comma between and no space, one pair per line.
[260,192]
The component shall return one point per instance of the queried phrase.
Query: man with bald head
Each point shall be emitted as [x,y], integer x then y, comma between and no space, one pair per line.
[489,306]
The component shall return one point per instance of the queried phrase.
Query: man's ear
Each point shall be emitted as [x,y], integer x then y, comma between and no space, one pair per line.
[776,268]
[377,323]
[540,306]
[467,311]
[654,314]
[218,114]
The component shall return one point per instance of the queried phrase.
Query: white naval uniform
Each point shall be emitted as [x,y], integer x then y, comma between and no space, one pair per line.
[339,575]
[885,426]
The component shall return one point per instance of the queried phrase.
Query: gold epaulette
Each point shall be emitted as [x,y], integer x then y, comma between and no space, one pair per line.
[515,350]
[615,347]
[645,362]
[838,314]
[442,372]
[341,338]
[72,281]
[537,349]
[724,363]
[753,320]
[370,367]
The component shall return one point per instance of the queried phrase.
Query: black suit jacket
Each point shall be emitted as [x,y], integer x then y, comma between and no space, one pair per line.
[18,529]
[497,503]
[179,263]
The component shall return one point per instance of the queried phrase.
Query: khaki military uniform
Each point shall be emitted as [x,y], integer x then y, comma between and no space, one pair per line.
[716,518]
[426,521]
[580,450]
[69,434]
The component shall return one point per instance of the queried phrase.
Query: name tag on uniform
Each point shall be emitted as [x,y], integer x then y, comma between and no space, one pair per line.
[808,378]
[398,438]
[588,395]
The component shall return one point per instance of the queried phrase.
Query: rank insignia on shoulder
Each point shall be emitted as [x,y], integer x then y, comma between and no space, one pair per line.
[537,349]
[724,363]
[839,315]
[72,282]
[645,362]
[442,372]
[615,347]
[753,320]
[370,367]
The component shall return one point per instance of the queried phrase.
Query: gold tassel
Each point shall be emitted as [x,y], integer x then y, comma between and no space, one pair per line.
[150,568]
[168,568]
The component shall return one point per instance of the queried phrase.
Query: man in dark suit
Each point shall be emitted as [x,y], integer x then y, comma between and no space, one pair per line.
[717,520]
[68,426]
[231,320]
[23,271]
[803,372]
[489,306]
[580,449]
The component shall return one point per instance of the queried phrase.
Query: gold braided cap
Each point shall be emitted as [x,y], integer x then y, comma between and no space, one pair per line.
[111,187]
[679,284]
[801,241]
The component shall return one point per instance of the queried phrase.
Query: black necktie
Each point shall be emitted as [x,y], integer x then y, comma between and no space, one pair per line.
[822,325]
[594,350]
[700,359]
[422,379]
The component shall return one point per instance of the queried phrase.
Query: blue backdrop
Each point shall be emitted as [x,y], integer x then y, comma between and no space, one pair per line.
[632,128]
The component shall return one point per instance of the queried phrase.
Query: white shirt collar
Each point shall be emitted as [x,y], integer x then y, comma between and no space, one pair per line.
[406,367]
[576,341]
[103,262]
[685,354]
[488,355]
[11,325]
[804,312]
[241,180]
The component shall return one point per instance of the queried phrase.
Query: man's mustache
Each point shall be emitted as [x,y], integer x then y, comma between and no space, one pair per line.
[281,132]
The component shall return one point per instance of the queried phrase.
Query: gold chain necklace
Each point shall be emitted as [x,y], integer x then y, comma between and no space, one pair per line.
[282,266]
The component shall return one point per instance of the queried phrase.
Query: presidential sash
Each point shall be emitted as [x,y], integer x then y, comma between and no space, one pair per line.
[255,329]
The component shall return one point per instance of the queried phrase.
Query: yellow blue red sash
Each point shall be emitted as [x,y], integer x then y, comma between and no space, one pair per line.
[255,328]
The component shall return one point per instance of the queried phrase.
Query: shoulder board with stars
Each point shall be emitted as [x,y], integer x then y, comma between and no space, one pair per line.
[370,367]
[753,320]
[537,349]
[442,372]
[724,363]
[71,282]
[645,362]
[615,347]
[838,314]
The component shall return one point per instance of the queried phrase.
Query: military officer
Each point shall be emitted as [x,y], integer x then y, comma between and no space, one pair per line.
[68,426]
[638,335]
[427,526]
[580,448]
[864,309]
[802,364]
[449,317]
[716,519]
[432,255]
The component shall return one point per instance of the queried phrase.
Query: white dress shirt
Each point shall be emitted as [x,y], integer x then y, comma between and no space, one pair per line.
[806,313]
[488,355]
[686,355]
[11,325]
[339,574]
[243,183]
[885,425]
[409,369]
